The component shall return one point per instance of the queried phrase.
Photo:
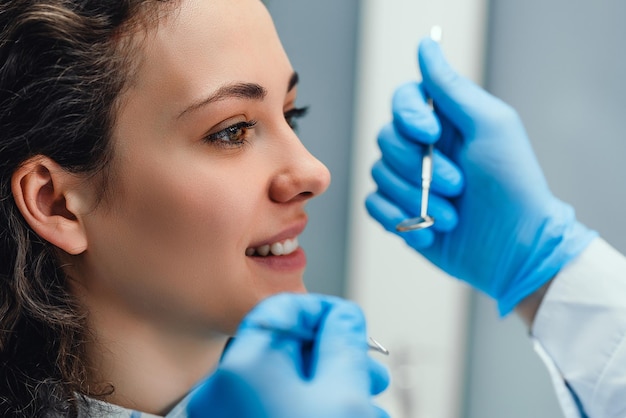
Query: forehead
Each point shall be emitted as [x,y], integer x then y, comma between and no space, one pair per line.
[209,43]
[213,26]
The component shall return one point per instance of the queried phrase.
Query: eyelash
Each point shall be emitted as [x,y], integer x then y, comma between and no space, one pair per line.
[292,116]
[232,137]
[236,135]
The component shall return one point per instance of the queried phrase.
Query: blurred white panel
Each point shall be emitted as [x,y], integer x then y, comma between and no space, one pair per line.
[414,310]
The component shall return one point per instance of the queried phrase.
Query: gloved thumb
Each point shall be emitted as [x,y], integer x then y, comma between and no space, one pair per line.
[463,102]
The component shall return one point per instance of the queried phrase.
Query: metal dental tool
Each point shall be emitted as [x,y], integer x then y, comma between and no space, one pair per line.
[424,220]
[372,344]
[376,346]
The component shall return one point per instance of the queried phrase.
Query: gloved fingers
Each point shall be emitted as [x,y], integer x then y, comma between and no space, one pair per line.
[259,353]
[408,197]
[465,103]
[379,377]
[342,352]
[297,312]
[277,329]
[406,158]
[413,115]
[389,215]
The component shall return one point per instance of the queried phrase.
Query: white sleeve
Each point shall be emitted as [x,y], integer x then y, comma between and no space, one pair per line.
[580,333]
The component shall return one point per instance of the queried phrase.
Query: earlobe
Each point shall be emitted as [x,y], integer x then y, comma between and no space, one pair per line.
[44,194]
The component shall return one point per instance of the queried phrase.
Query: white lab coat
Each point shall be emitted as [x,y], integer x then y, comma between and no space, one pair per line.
[580,333]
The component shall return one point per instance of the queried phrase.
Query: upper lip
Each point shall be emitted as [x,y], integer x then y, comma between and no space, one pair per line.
[289,233]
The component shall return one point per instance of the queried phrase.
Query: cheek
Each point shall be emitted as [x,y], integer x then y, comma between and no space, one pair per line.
[177,242]
[193,213]
[193,207]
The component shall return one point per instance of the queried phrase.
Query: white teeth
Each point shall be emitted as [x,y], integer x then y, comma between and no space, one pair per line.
[278,248]
[290,245]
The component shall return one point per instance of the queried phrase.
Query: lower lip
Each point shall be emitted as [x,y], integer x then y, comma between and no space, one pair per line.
[283,263]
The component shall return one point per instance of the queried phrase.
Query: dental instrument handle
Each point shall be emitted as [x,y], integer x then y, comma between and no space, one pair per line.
[436,34]
[427,175]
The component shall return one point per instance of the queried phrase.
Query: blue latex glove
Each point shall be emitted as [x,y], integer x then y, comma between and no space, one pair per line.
[498,226]
[266,374]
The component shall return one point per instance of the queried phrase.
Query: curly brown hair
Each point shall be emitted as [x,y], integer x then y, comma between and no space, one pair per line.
[63,64]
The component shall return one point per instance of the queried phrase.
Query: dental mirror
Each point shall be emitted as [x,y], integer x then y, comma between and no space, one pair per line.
[424,220]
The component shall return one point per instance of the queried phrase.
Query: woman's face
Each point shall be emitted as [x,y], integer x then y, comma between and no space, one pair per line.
[207,173]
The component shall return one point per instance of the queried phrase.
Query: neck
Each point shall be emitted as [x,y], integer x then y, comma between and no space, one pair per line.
[151,369]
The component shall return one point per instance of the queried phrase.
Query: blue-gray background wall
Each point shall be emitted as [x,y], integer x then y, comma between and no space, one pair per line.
[320,38]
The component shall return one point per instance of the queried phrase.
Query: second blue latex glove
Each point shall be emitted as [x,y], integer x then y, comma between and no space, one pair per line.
[268,374]
[510,235]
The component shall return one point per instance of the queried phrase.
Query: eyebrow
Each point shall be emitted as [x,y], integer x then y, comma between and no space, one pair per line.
[250,91]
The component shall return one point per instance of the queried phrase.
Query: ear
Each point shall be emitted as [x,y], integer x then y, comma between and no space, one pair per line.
[47,197]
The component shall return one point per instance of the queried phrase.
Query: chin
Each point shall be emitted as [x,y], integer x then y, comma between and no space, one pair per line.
[292,288]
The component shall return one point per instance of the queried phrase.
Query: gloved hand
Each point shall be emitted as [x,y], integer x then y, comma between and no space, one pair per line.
[267,374]
[498,226]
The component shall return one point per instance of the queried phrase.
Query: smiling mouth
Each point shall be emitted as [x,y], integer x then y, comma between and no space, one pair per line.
[285,247]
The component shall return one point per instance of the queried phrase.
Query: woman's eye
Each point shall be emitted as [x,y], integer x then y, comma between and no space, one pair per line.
[292,116]
[232,136]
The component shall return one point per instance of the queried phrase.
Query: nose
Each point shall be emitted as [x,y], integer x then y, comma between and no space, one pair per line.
[299,176]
